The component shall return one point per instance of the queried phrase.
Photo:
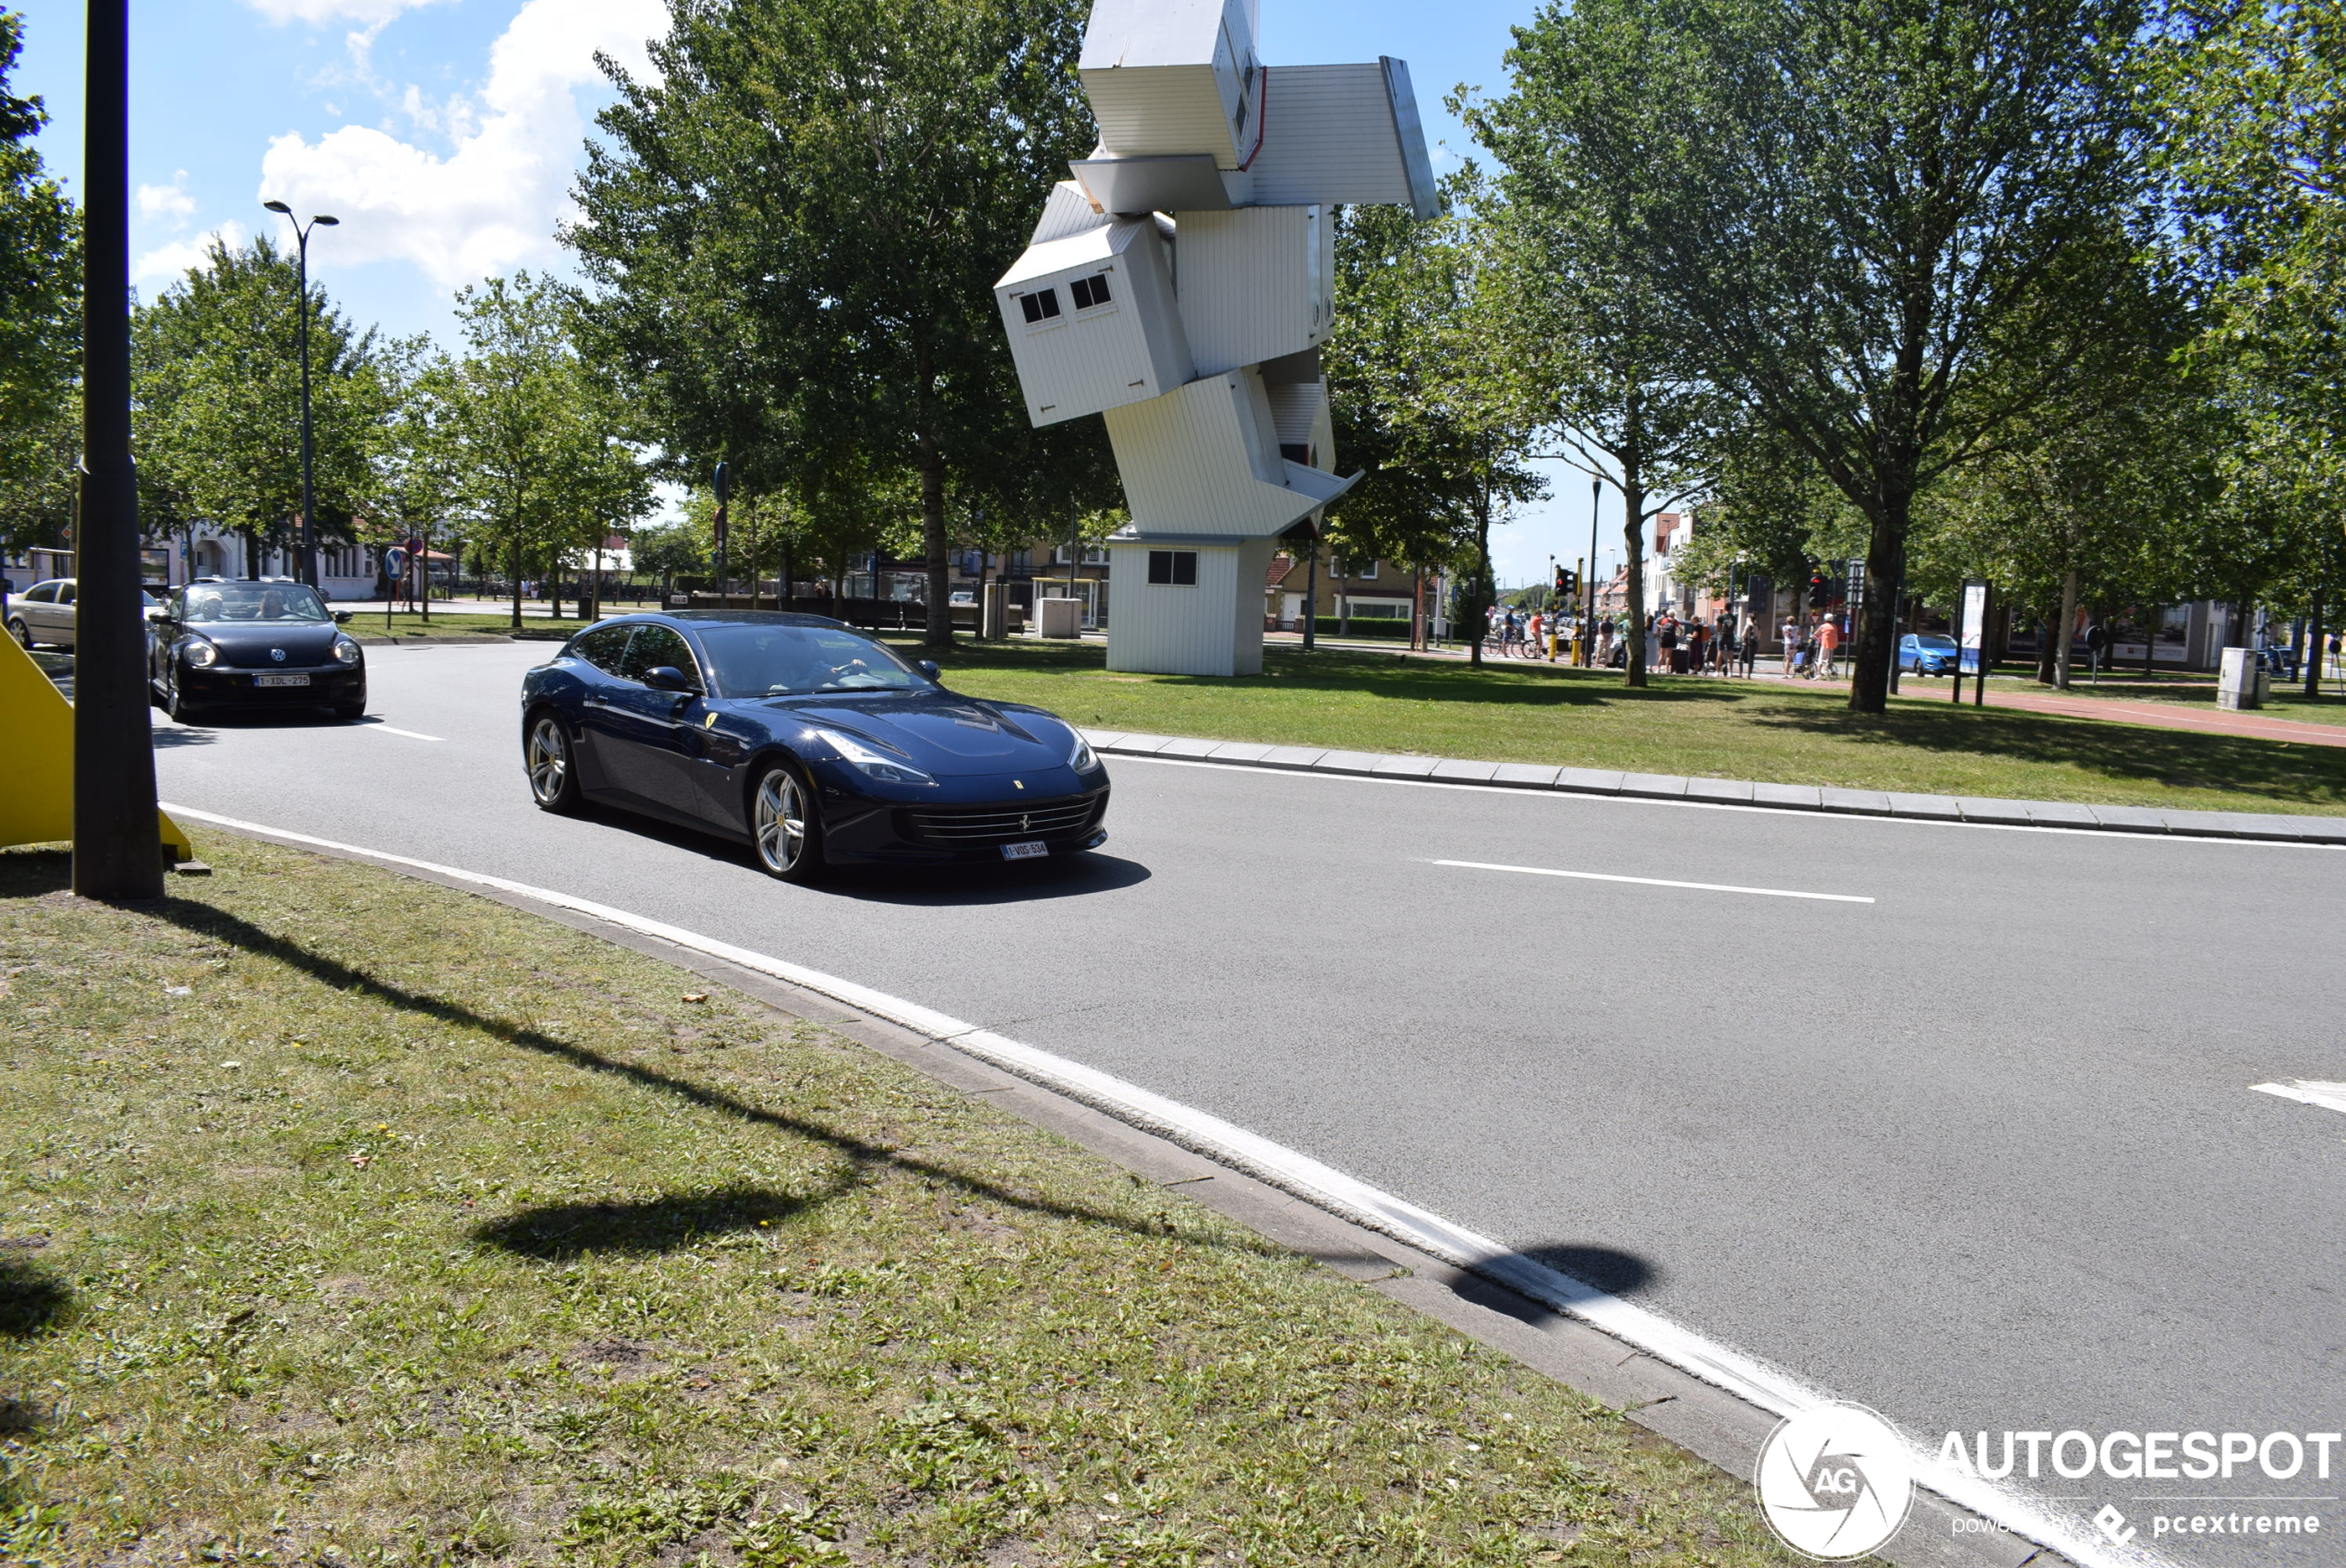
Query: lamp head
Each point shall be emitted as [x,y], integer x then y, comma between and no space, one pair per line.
[278,207]
[327,220]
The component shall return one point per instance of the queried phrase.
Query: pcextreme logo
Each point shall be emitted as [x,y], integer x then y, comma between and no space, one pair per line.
[1834,1482]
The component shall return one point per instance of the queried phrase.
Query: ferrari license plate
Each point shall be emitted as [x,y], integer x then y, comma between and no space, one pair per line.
[1026,852]
[281,679]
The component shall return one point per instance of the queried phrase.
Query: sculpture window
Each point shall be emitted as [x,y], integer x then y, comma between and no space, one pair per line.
[1041,306]
[1089,292]
[1174,568]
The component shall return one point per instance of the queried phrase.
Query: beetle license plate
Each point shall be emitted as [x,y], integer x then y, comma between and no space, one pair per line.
[281,679]
[1026,852]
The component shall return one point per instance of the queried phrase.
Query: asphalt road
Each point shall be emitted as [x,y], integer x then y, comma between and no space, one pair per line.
[1981,1154]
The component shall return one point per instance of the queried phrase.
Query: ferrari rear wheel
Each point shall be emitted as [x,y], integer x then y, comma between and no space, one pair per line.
[548,755]
[783,827]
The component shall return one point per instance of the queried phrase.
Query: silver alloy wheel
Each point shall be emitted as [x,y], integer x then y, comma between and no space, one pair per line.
[780,821]
[548,759]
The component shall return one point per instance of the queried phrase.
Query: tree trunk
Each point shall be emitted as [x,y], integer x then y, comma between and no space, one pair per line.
[1877,647]
[1484,593]
[252,554]
[2311,665]
[516,579]
[2061,658]
[1633,545]
[2150,640]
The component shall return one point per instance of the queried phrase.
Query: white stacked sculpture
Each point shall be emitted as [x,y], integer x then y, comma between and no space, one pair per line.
[1181,284]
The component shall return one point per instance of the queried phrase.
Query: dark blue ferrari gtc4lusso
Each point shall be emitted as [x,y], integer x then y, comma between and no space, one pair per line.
[809,741]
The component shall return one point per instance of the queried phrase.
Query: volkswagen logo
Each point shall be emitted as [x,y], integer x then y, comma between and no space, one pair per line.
[277,654]
[1835,1481]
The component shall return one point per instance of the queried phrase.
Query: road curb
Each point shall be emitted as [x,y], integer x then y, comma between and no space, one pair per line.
[2067,815]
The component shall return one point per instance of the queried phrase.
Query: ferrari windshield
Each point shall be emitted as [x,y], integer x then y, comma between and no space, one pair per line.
[787,661]
[277,602]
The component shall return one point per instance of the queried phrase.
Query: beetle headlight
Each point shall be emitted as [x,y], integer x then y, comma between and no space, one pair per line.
[872,764]
[202,656]
[1080,758]
[345,651]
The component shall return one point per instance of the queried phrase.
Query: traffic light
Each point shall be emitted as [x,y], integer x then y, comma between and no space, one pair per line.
[1819,591]
[1567,583]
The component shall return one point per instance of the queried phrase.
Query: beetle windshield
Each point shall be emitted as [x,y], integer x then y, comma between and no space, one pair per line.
[778,661]
[274,602]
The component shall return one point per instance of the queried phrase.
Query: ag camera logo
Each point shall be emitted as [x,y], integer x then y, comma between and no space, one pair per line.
[1834,1482]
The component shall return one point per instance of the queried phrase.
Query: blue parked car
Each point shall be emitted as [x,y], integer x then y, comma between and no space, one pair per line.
[1927,654]
[810,741]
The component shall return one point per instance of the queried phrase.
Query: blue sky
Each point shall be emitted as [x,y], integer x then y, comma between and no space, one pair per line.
[444,134]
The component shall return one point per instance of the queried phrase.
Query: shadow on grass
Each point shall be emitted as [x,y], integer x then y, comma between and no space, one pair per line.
[2135,753]
[32,1300]
[220,926]
[559,1233]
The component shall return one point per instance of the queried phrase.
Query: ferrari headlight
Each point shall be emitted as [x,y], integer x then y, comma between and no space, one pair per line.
[1080,758]
[872,764]
[202,656]
[345,651]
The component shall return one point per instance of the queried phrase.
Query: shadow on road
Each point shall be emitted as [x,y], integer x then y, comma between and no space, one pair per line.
[1615,1273]
[940,886]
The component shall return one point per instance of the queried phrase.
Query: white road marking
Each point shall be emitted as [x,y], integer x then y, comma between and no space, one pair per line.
[1770,1388]
[1661,882]
[388,730]
[2329,1096]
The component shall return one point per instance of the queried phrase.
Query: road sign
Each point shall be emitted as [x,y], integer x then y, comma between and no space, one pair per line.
[1972,641]
[415,548]
[394,561]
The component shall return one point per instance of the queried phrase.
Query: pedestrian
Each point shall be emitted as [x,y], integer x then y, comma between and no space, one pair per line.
[1791,644]
[1666,657]
[1726,644]
[1604,643]
[1829,647]
[1749,645]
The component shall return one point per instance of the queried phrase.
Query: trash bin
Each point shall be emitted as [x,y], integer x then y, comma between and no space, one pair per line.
[2242,682]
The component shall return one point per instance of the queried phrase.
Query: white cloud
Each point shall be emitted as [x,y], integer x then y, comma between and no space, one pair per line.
[167,263]
[167,200]
[364,12]
[493,201]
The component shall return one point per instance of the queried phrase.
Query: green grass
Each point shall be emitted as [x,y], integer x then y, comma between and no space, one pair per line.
[1514,711]
[348,1219]
[2289,701]
[367,625]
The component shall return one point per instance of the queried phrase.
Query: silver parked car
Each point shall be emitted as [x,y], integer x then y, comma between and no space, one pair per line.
[44,613]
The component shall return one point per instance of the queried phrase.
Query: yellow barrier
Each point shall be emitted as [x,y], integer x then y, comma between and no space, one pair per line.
[36,748]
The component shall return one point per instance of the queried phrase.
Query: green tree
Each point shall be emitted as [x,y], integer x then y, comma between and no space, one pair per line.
[217,380]
[1846,206]
[531,438]
[1426,376]
[1622,401]
[794,230]
[39,322]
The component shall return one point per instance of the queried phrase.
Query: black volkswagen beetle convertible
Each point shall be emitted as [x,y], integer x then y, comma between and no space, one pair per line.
[805,739]
[272,643]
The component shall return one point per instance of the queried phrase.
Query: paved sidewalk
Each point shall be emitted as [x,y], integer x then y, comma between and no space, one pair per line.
[2174,716]
[2259,825]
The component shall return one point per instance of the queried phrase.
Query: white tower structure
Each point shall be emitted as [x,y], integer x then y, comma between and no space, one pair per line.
[1182,284]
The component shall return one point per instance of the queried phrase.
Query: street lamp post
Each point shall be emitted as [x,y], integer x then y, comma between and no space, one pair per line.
[308,500]
[117,852]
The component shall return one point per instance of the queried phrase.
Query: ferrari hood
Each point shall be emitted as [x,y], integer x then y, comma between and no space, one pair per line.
[942,733]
